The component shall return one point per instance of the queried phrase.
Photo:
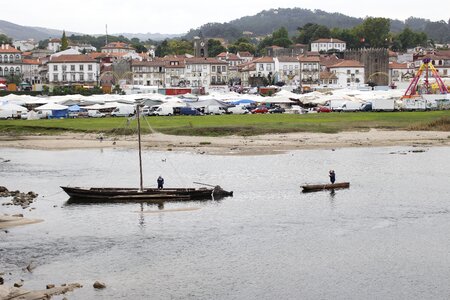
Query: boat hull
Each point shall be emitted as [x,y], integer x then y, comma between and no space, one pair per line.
[321,187]
[146,195]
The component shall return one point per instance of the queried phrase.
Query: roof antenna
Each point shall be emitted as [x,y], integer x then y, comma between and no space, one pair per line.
[106,40]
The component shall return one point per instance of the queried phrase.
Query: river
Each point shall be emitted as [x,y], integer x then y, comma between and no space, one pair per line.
[387,237]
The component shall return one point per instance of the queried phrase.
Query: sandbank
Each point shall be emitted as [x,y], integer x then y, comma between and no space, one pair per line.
[233,145]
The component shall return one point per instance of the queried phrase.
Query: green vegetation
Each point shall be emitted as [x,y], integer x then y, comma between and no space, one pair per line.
[245,125]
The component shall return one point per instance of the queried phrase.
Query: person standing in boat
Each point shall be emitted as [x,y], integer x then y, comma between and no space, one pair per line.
[332,176]
[160,182]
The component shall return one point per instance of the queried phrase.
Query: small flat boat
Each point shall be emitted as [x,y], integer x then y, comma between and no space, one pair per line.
[321,187]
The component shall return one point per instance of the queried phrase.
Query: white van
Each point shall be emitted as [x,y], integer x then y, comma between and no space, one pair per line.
[237,110]
[215,110]
[123,111]
[95,114]
[164,111]
[351,106]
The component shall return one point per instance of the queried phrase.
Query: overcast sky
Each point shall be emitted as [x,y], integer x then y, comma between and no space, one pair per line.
[178,16]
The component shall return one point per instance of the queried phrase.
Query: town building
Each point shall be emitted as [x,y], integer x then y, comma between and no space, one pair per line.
[175,71]
[118,47]
[245,56]
[73,69]
[309,70]
[400,74]
[30,71]
[206,72]
[376,64]
[287,70]
[10,60]
[54,45]
[148,73]
[349,73]
[328,45]
[26,45]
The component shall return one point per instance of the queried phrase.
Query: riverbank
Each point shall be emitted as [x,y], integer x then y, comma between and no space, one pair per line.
[233,145]
[7,221]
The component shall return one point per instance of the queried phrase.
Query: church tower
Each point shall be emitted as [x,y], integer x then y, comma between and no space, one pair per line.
[200,47]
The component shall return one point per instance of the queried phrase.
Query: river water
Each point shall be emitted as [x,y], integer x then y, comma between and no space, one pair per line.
[387,237]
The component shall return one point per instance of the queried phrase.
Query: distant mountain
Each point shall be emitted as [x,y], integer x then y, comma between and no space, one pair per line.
[18,32]
[267,21]
[150,36]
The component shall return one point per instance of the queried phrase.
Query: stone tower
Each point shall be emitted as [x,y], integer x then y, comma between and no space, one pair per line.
[376,64]
[200,47]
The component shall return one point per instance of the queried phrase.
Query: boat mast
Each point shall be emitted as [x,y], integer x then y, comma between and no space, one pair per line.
[141,186]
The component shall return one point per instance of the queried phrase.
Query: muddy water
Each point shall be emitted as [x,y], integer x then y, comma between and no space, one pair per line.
[387,237]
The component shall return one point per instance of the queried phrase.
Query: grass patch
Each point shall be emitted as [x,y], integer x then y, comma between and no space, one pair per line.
[441,124]
[243,125]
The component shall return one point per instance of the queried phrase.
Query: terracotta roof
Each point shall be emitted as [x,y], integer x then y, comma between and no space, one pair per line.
[264,59]
[392,53]
[287,59]
[223,54]
[154,63]
[396,65]
[117,45]
[72,58]
[204,60]
[54,40]
[8,49]
[330,40]
[328,61]
[30,61]
[327,75]
[245,54]
[96,55]
[348,64]
[309,59]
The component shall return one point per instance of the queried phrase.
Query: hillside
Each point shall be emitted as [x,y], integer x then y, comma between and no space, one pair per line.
[19,32]
[267,21]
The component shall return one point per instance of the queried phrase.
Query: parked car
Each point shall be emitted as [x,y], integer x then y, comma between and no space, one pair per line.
[238,110]
[215,110]
[260,110]
[73,114]
[277,110]
[189,111]
[123,111]
[323,109]
[95,114]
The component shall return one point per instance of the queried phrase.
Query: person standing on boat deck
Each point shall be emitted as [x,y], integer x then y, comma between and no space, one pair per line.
[160,181]
[332,176]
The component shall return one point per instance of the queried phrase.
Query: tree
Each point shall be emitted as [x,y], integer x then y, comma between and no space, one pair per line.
[374,32]
[310,32]
[140,48]
[281,38]
[5,39]
[215,47]
[64,42]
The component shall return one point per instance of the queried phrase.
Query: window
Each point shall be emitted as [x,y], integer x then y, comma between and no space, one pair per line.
[73,77]
[55,68]
[213,78]
[213,69]
[261,67]
[348,72]
[55,77]
[64,77]
[64,68]
[89,67]
[224,68]
[72,67]
[81,77]
[284,67]
[356,71]
[81,67]
[204,67]
[269,67]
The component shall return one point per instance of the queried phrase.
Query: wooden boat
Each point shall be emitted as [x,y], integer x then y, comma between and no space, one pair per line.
[145,195]
[141,194]
[321,187]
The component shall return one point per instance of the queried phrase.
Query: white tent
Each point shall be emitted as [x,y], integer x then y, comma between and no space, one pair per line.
[13,107]
[52,106]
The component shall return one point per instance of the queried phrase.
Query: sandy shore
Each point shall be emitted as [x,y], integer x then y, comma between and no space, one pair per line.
[7,221]
[235,145]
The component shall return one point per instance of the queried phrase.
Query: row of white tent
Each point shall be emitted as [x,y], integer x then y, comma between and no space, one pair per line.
[98,102]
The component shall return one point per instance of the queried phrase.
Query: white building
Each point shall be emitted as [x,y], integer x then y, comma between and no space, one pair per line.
[54,45]
[204,72]
[10,60]
[118,47]
[175,71]
[73,69]
[245,56]
[27,45]
[350,73]
[148,73]
[288,69]
[325,45]
[310,70]
[30,71]
[265,67]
